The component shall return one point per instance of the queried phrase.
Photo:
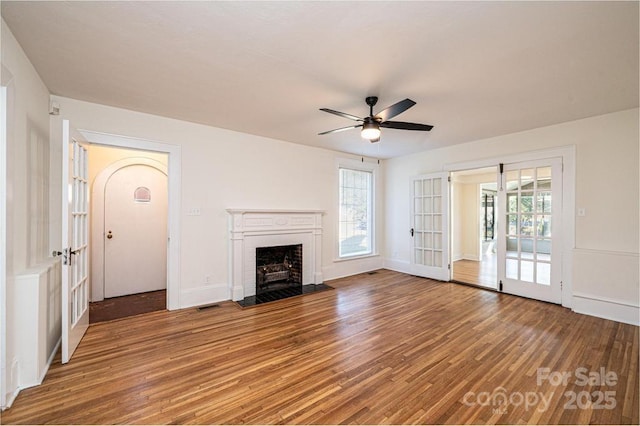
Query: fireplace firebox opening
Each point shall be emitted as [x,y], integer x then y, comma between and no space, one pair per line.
[278,267]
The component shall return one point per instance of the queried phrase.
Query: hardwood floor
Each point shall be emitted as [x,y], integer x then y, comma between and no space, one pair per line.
[483,273]
[382,348]
[127,306]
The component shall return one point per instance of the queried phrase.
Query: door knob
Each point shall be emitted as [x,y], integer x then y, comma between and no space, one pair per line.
[109,235]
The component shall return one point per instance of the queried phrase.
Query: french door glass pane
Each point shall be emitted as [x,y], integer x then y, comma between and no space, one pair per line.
[427,221]
[528,225]
[543,273]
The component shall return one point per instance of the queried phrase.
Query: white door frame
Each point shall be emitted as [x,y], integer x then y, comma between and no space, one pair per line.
[3,245]
[568,155]
[174,200]
[97,222]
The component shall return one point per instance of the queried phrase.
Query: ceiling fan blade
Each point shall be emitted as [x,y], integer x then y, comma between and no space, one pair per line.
[340,129]
[406,126]
[341,114]
[395,109]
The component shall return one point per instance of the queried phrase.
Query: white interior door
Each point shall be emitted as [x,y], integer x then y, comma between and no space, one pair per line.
[430,226]
[135,231]
[75,235]
[529,245]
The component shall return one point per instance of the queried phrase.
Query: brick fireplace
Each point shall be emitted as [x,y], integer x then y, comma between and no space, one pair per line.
[278,267]
[254,229]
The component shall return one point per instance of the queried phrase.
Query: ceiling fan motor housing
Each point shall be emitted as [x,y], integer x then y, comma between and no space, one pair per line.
[371,100]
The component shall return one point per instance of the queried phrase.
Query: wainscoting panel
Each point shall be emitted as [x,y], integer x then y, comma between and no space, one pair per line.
[606,284]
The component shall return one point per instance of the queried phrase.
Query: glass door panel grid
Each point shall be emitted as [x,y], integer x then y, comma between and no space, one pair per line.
[528,225]
[428,221]
[80,211]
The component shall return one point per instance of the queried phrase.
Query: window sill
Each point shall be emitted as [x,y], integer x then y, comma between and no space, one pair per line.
[356,257]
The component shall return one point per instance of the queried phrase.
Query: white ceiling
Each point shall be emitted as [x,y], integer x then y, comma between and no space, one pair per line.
[475,69]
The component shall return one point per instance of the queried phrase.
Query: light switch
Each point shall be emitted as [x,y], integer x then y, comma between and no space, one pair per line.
[193,211]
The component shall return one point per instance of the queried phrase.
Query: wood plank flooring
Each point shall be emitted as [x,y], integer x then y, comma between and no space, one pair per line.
[384,348]
[127,306]
[483,273]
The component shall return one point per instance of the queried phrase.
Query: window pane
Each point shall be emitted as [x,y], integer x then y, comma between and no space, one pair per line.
[417,189]
[437,186]
[428,240]
[543,226]
[419,242]
[526,179]
[526,225]
[526,202]
[512,224]
[543,273]
[437,259]
[512,203]
[526,271]
[512,269]
[355,212]
[544,178]
[512,180]
[437,223]
[427,205]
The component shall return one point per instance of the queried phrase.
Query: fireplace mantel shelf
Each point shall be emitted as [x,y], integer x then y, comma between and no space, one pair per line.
[240,211]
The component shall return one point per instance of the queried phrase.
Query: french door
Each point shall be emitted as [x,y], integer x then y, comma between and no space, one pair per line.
[430,226]
[75,248]
[529,237]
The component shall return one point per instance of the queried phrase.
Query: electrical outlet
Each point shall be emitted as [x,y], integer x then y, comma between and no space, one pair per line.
[207,279]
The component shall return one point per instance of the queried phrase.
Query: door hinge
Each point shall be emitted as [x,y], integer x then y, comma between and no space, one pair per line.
[449,266]
[448,178]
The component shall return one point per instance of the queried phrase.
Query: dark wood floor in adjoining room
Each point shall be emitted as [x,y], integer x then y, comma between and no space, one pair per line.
[127,306]
[382,348]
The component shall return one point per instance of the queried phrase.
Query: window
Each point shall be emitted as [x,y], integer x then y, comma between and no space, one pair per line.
[142,195]
[487,203]
[356,217]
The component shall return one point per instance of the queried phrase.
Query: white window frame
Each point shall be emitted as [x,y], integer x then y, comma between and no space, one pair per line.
[363,166]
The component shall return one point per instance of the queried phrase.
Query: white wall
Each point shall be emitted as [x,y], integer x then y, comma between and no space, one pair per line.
[464,212]
[223,169]
[607,187]
[27,133]
[469,216]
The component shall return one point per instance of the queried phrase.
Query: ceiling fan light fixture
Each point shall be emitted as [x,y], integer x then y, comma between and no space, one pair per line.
[370,130]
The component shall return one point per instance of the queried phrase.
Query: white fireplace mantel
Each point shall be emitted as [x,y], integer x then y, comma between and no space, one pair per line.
[253,228]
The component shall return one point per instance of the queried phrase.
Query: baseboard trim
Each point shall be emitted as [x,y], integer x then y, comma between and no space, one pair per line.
[43,373]
[624,312]
[11,398]
[403,266]
[347,268]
